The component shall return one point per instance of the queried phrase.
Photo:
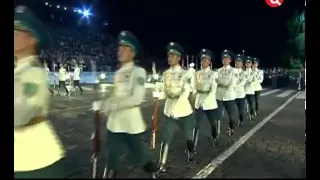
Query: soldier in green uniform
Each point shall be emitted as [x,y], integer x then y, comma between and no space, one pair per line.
[38,152]
[178,112]
[125,125]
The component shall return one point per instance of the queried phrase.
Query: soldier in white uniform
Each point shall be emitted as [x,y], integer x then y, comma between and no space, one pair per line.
[125,125]
[76,77]
[206,103]
[38,152]
[226,89]
[257,83]
[239,87]
[249,87]
[62,79]
[47,70]
[178,113]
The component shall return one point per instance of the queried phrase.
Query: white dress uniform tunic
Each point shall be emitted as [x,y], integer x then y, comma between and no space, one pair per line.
[123,108]
[76,74]
[206,82]
[258,79]
[226,76]
[62,74]
[36,144]
[249,85]
[240,83]
[177,85]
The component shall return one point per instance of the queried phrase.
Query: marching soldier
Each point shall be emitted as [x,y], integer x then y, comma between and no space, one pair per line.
[47,70]
[225,91]
[257,83]
[177,110]
[76,77]
[63,79]
[239,87]
[125,125]
[206,103]
[38,152]
[249,87]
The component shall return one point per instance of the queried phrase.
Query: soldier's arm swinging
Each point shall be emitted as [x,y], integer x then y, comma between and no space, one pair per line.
[138,91]
[242,81]
[260,78]
[29,96]
[186,88]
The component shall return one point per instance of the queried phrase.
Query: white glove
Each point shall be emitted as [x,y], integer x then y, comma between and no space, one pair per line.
[97,105]
[156,94]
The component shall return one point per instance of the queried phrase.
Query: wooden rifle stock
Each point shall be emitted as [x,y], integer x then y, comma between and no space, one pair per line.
[155,123]
[96,144]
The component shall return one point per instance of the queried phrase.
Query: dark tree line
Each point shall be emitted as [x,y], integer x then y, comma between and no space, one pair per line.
[294,53]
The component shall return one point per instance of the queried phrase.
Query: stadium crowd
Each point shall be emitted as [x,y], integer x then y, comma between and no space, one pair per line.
[91,48]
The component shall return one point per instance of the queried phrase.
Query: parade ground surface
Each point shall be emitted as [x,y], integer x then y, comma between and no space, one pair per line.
[272,146]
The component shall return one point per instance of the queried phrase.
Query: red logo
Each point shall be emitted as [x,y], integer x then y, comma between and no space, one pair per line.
[274,3]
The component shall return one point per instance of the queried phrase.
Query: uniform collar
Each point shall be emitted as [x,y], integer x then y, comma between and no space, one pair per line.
[248,69]
[175,68]
[206,69]
[227,67]
[127,65]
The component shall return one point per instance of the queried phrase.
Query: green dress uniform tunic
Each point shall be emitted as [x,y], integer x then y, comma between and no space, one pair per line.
[38,151]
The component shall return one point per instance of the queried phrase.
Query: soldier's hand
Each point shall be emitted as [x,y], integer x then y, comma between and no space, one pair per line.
[97,105]
[156,94]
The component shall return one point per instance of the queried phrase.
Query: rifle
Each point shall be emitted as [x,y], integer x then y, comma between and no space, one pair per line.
[154,122]
[96,144]
[96,139]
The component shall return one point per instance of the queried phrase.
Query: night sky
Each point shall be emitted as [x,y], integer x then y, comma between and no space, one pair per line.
[229,24]
[215,24]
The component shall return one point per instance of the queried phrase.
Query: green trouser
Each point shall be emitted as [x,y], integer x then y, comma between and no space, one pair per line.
[56,170]
[212,115]
[186,124]
[116,146]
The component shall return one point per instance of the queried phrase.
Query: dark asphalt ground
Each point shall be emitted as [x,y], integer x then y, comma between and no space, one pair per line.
[276,150]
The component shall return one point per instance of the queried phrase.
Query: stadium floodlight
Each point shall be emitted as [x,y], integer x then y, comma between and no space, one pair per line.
[65,8]
[86,13]
[58,6]
[46,3]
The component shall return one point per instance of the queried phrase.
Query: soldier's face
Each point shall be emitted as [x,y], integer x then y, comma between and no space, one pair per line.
[226,60]
[238,64]
[248,64]
[255,65]
[205,62]
[125,53]
[22,40]
[173,59]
